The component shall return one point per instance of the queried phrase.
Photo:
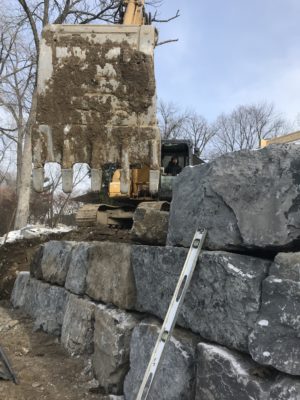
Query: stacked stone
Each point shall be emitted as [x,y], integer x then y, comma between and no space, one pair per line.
[238,330]
[83,292]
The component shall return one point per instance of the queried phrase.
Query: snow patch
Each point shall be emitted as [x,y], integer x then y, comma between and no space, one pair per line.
[238,271]
[32,231]
[227,356]
[266,354]
[263,322]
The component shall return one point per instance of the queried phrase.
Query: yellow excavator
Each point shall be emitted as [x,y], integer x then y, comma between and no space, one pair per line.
[97,105]
[288,138]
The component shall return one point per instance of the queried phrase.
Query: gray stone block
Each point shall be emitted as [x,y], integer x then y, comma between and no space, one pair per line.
[113,330]
[150,226]
[223,300]
[46,304]
[175,378]
[55,261]
[18,296]
[275,339]
[77,334]
[246,200]
[229,375]
[78,267]
[36,263]
[110,276]
[285,388]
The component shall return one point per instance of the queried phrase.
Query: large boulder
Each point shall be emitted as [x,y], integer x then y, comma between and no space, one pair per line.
[229,375]
[51,262]
[78,267]
[175,379]
[150,224]
[223,300]
[18,295]
[246,200]
[275,339]
[46,304]
[110,276]
[113,330]
[77,335]
[285,388]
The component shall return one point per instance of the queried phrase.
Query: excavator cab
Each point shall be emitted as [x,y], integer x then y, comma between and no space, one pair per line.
[183,150]
[97,102]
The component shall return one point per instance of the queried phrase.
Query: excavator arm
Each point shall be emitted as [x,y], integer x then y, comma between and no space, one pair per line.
[290,137]
[134,12]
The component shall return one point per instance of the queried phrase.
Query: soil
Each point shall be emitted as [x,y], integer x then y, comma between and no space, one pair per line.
[17,256]
[88,94]
[42,367]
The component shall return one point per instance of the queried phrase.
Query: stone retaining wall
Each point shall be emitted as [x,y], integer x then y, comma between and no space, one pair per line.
[239,335]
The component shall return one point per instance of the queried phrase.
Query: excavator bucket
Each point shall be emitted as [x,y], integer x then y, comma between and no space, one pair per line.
[96,102]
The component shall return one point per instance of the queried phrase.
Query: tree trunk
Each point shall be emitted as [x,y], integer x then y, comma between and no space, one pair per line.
[22,213]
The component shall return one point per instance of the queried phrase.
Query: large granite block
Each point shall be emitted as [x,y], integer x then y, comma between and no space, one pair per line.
[113,330]
[246,200]
[223,300]
[77,334]
[275,339]
[110,276]
[175,379]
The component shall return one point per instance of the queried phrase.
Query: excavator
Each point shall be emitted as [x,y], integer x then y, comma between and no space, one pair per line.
[96,104]
[288,138]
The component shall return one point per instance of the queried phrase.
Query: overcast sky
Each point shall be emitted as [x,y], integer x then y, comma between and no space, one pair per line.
[229,53]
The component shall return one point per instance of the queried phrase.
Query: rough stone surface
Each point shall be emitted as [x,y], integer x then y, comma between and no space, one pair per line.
[55,261]
[46,304]
[229,375]
[223,300]
[176,375]
[275,339]
[246,200]
[18,295]
[285,388]
[150,226]
[110,276]
[36,263]
[113,330]
[77,334]
[77,272]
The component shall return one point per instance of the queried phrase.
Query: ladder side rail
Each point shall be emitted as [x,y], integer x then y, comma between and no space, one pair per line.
[172,314]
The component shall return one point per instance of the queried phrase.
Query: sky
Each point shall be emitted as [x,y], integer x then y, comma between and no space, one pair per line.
[229,53]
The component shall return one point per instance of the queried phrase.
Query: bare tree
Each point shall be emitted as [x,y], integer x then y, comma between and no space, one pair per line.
[36,14]
[197,129]
[171,120]
[245,127]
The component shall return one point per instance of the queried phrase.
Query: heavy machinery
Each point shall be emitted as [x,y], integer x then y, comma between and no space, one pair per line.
[97,105]
[288,138]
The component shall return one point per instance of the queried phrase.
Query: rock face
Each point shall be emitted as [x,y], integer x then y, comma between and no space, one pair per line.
[246,200]
[176,375]
[51,263]
[113,330]
[228,375]
[285,388]
[223,299]
[150,226]
[46,304]
[77,334]
[275,339]
[110,277]
[18,296]
[79,263]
